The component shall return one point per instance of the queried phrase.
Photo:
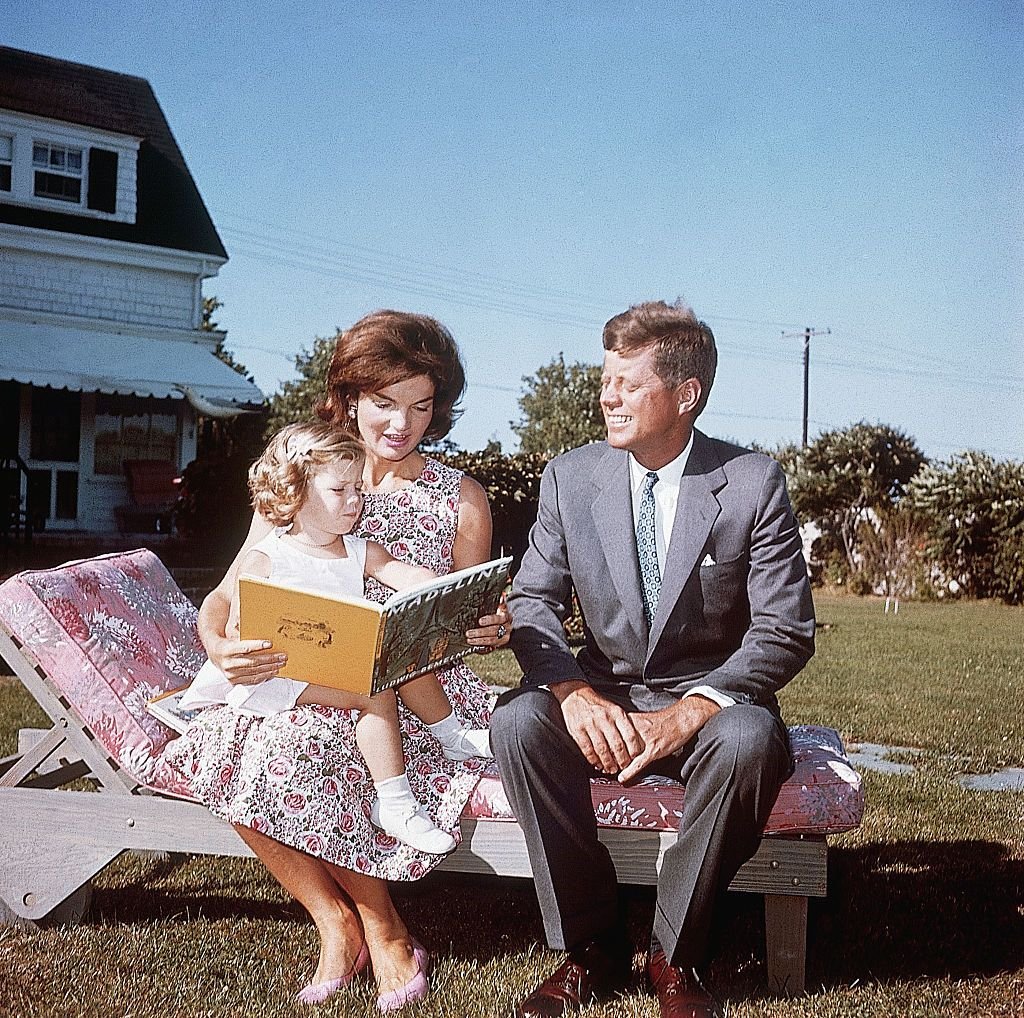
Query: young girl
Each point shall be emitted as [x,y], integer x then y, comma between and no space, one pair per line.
[308,483]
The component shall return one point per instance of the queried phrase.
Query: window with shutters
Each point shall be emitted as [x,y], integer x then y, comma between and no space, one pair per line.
[67,168]
[6,159]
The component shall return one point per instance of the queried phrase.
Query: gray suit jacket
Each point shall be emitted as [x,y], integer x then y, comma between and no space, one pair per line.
[735,609]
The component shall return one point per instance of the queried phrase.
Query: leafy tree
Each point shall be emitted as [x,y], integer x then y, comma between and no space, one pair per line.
[788,457]
[560,408]
[231,437]
[299,397]
[212,512]
[975,510]
[846,473]
[211,305]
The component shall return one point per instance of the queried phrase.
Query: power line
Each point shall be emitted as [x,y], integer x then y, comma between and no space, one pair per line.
[495,388]
[401,269]
[396,262]
[904,353]
[480,290]
[341,269]
[1011,383]
[282,235]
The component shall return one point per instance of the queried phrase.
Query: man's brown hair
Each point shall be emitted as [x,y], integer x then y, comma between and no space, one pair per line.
[684,345]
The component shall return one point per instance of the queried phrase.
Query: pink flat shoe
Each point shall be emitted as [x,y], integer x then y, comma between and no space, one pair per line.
[417,987]
[317,993]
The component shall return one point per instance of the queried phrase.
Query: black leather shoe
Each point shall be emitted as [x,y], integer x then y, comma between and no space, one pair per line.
[590,971]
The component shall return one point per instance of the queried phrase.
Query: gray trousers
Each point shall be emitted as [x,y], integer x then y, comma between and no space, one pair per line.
[732,770]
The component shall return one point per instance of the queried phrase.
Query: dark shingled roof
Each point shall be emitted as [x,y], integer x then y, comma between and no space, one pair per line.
[170,210]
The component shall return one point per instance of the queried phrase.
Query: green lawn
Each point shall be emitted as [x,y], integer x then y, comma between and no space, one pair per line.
[925,914]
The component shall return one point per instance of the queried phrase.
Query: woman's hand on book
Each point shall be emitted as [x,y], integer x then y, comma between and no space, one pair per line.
[246,661]
[494,630]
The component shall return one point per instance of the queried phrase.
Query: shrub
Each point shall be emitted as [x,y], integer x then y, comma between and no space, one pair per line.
[845,475]
[974,506]
[892,546]
[512,483]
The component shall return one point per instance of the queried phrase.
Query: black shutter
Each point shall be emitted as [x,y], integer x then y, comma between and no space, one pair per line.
[102,180]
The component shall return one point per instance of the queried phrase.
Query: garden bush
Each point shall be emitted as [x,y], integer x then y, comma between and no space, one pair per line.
[974,506]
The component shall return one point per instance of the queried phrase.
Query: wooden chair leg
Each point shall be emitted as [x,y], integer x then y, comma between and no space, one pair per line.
[43,883]
[67,913]
[785,920]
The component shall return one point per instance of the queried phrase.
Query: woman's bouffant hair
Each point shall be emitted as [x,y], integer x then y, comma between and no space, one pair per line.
[387,347]
[278,480]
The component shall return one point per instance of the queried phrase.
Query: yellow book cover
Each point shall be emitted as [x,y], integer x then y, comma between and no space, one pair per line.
[362,646]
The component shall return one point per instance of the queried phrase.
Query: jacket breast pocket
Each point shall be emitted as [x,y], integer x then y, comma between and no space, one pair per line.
[723,587]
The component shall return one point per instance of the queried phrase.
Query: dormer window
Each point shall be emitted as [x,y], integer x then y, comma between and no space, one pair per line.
[6,161]
[57,171]
[68,168]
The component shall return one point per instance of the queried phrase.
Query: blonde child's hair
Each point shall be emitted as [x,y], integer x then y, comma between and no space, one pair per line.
[278,480]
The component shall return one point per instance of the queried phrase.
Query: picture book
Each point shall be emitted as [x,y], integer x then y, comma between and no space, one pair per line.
[166,708]
[362,646]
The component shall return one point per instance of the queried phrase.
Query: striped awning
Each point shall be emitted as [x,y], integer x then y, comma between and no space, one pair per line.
[84,360]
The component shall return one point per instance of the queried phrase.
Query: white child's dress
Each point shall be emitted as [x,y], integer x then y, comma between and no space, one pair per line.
[298,776]
[288,564]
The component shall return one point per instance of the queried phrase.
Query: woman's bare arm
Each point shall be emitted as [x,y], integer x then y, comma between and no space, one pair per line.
[473,546]
[245,661]
[255,563]
[473,530]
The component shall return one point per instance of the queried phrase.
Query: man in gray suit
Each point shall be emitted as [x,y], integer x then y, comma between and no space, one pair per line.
[686,561]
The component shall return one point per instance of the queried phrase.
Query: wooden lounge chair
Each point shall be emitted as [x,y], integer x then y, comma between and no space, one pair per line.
[94,640]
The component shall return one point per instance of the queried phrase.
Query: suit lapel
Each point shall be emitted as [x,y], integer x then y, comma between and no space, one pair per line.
[612,511]
[696,512]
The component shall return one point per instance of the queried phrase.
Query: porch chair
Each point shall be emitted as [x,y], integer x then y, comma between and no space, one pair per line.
[153,489]
[93,640]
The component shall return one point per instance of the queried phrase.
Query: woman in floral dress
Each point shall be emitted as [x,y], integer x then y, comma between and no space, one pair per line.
[294,785]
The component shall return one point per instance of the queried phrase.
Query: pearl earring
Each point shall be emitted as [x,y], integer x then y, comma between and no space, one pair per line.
[352,412]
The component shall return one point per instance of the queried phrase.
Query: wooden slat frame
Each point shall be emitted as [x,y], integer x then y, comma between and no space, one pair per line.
[55,841]
[64,718]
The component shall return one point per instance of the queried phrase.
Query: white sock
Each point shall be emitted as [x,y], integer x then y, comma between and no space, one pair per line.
[447,730]
[395,793]
[459,742]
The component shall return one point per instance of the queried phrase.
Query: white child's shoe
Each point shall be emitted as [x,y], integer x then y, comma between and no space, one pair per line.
[467,743]
[409,823]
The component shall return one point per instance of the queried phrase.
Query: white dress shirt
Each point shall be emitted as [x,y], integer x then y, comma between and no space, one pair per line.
[666,497]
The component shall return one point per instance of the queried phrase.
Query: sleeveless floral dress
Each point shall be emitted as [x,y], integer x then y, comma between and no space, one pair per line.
[298,776]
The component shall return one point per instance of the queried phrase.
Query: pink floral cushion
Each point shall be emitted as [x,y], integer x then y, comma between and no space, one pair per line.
[111,633]
[823,795]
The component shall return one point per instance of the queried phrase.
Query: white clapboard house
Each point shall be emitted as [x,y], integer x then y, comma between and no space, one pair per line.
[104,246]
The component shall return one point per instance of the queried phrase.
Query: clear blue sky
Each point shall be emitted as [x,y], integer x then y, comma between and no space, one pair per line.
[525,171]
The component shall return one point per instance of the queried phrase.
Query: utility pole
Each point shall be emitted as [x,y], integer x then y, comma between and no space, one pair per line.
[807,333]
